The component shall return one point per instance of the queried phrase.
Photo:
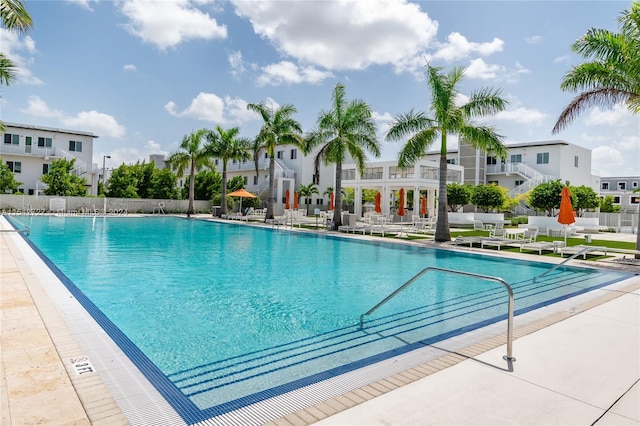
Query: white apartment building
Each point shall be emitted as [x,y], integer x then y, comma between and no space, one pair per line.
[29,151]
[526,166]
[622,190]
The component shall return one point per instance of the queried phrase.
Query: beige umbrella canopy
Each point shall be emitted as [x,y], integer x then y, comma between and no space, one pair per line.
[242,193]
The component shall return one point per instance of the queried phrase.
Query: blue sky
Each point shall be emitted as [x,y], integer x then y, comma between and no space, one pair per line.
[142,74]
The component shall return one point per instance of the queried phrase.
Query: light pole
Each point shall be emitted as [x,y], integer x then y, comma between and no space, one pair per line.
[104,176]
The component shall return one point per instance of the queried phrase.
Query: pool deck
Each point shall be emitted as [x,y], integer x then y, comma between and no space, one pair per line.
[579,366]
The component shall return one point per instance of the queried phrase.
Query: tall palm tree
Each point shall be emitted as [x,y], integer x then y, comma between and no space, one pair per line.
[14,17]
[193,155]
[448,118]
[278,128]
[347,129]
[226,145]
[611,74]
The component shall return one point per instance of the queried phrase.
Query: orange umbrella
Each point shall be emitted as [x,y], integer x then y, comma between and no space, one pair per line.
[566,216]
[423,206]
[401,211]
[286,200]
[242,193]
[331,202]
[378,203]
[295,200]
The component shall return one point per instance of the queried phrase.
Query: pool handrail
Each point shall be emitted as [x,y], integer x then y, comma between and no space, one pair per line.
[26,229]
[509,356]
[573,256]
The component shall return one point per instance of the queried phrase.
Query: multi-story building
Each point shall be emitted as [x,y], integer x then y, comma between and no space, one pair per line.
[28,151]
[622,190]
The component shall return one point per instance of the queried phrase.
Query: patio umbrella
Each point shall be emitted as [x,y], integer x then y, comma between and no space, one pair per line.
[331,202]
[378,203]
[286,200]
[565,215]
[242,193]
[423,206]
[401,212]
[295,200]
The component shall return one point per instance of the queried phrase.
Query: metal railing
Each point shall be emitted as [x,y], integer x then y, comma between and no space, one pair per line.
[573,256]
[509,356]
[25,229]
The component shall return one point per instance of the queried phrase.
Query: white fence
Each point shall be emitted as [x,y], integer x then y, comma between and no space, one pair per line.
[621,222]
[43,203]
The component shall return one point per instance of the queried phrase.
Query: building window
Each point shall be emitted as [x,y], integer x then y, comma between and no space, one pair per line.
[575,161]
[634,199]
[542,158]
[622,186]
[519,182]
[44,142]
[605,186]
[634,184]
[491,160]
[245,179]
[255,180]
[217,162]
[15,166]
[266,155]
[319,201]
[516,158]
[10,139]
[280,154]
[294,154]
[75,146]
[616,200]
[244,161]
[45,169]
[492,182]
[451,161]
[27,144]
[315,179]
[234,161]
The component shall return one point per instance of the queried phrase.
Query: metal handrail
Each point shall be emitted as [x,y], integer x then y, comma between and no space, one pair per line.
[573,256]
[507,357]
[26,229]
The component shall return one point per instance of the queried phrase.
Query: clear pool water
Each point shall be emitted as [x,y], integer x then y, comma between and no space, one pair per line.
[219,315]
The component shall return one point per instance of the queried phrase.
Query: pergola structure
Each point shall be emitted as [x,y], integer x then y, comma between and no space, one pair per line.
[387,178]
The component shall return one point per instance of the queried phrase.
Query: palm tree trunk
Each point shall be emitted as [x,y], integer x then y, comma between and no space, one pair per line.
[192,186]
[223,201]
[272,172]
[442,225]
[337,210]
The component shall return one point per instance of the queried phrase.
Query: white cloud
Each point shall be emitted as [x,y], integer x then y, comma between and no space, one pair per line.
[608,160]
[521,115]
[169,23]
[342,34]
[20,50]
[383,121]
[481,70]
[607,117]
[458,47]
[130,67]
[533,39]
[286,72]
[130,154]
[237,64]
[213,108]
[565,59]
[85,4]
[90,121]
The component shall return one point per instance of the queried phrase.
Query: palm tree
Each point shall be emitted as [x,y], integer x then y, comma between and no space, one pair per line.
[613,74]
[279,128]
[347,129]
[226,145]
[308,190]
[14,17]
[448,118]
[194,155]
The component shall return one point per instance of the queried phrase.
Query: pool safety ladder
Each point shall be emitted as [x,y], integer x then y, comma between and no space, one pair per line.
[509,355]
[573,256]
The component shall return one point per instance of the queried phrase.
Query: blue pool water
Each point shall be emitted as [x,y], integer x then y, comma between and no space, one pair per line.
[218,316]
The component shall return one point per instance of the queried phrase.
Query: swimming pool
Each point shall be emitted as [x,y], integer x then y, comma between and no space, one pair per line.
[219,316]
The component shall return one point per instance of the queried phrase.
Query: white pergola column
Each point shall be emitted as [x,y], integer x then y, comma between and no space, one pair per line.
[357,201]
